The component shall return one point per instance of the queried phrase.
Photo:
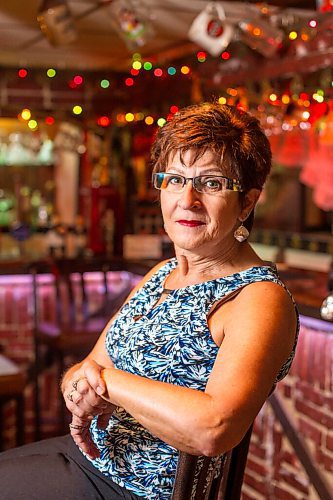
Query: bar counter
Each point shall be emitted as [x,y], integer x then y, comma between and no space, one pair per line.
[24,266]
[309,287]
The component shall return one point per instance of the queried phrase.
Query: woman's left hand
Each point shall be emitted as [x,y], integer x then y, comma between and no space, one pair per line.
[83,401]
[80,432]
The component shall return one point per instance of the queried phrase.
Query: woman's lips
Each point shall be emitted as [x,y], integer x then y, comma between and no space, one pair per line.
[190,223]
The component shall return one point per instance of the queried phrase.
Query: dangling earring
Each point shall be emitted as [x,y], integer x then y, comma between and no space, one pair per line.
[241,234]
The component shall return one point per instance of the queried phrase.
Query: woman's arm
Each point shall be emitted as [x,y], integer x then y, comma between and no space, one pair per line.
[82,387]
[259,329]
[98,355]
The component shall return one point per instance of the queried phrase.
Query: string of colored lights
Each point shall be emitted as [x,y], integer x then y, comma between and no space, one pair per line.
[140,66]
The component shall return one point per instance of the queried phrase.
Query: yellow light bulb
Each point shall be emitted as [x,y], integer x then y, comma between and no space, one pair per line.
[77,110]
[185,70]
[292,35]
[32,124]
[137,65]
[26,114]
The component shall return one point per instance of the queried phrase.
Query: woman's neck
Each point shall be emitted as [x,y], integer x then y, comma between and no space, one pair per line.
[196,268]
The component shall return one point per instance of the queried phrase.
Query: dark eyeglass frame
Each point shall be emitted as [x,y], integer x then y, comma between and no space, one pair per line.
[159,177]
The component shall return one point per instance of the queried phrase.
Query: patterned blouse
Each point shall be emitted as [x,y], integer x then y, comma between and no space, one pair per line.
[169,342]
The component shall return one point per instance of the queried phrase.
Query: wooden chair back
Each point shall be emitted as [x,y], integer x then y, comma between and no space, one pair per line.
[70,312]
[12,385]
[66,285]
[212,478]
[78,309]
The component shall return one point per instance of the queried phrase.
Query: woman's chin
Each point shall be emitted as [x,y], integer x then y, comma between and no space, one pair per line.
[190,245]
[188,237]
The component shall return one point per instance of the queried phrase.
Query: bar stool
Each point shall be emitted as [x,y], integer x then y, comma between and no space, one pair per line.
[12,384]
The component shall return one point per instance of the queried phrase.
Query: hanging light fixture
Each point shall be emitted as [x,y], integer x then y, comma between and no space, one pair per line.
[261,35]
[210,29]
[131,21]
[56,22]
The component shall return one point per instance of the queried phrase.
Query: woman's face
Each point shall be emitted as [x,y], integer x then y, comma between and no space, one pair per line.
[199,221]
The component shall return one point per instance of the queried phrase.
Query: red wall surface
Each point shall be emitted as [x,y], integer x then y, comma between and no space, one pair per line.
[273,469]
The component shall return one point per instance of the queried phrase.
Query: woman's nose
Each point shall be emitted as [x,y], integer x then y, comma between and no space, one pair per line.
[189,198]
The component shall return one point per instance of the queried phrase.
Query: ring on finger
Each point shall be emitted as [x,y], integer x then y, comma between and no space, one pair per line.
[70,396]
[75,383]
[78,427]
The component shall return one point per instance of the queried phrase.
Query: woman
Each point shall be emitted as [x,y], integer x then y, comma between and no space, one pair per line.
[192,355]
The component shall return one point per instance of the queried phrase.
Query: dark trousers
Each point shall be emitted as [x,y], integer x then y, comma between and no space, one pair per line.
[54,469]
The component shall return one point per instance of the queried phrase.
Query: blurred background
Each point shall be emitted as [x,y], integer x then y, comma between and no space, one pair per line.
[84,85]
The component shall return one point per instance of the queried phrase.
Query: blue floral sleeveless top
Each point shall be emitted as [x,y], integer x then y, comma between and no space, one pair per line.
[169,342]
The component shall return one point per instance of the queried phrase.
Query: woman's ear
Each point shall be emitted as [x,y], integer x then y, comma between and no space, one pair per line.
[249,201]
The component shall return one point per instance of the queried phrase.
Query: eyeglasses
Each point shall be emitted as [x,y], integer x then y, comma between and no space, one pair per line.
[207,184]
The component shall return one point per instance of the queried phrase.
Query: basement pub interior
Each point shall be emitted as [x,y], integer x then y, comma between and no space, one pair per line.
[84,87]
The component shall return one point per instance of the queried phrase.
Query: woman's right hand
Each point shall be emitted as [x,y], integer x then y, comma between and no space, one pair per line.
[82,390]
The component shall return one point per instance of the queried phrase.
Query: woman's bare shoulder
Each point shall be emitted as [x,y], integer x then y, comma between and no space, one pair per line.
[264,311]
[256,303]
[272,294]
